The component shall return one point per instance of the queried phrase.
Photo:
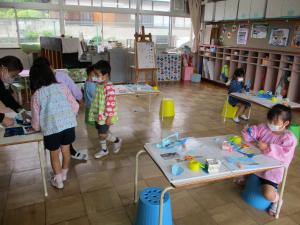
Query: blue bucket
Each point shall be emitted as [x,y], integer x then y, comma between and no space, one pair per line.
[252,194]
[148,207]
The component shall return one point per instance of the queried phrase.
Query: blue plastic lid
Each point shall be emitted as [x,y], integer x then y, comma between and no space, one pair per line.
[151,195]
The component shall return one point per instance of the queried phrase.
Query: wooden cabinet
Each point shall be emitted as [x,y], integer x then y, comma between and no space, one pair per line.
[220,11]
[231,8]
[264,69]
[244,9]
[290,9]
[209,12]
[274,8]
[258,9]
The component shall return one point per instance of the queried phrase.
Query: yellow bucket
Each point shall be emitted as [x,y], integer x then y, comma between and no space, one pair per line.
[167,107]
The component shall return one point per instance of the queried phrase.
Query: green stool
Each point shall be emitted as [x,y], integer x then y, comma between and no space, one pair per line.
[295,129]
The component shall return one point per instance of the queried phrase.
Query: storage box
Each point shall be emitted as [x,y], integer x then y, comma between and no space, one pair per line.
[187,72]
[196,78]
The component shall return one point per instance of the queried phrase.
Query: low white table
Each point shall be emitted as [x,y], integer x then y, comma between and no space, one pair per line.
[22,139]
[203,148]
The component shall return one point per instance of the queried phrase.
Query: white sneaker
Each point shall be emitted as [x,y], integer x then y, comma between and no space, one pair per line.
[236,119]
[64,174]
[117,146]
[56,181]
[273,208]
[100,154]
[244,117]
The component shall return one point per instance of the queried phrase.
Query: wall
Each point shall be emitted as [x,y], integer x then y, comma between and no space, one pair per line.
[26,60]
[261,43]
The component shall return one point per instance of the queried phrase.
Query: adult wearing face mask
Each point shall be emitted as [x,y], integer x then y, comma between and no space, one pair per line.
[10,67]
[237,85]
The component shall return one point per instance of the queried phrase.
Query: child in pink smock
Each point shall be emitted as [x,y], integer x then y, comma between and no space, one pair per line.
[274,140]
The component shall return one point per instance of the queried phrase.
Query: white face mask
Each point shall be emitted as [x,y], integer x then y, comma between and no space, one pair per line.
[274,128]
[240,79]
[97,79]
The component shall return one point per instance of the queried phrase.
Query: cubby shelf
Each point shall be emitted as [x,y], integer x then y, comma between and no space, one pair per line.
[263,68]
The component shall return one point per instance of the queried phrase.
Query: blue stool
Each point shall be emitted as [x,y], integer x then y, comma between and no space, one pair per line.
[148,207]
[252,194]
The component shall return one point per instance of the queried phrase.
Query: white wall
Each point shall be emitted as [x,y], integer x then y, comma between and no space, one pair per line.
[26,59]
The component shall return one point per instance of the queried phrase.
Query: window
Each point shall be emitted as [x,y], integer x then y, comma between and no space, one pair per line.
[118,27]
[35,23]
[85,2]
[35,1]
[71,2]
[88,24]
[158,26]
[8,31]
[181,31]
[156,5]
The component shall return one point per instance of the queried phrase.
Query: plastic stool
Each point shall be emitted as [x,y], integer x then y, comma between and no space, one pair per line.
[295,129]
[231,110]
[167,107]
[148,207]
[252,194]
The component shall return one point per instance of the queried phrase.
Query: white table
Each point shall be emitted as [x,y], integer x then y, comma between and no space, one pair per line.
[137,90]
[22,139]
[257,100]
[208,147]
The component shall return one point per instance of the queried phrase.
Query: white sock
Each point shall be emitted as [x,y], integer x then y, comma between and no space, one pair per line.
[103,145]
[64,172]
[111,137]
[58,178]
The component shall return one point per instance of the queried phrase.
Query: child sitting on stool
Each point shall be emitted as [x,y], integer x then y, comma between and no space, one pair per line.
[237,85]
[274,140]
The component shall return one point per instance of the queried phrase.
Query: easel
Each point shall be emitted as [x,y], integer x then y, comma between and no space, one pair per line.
[148,39]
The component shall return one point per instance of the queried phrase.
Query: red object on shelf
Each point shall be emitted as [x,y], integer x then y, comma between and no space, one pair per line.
[187,72]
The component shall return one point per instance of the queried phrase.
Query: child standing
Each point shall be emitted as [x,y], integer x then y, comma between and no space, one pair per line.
[237,85]
[274,140]
[89,91]
[103,109]
[54,112]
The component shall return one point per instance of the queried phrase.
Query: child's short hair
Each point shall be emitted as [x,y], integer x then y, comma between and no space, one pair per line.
[41,60]
[12,63]
[282,111]
[89,69]
[103,66]
[40,75]
[239,72]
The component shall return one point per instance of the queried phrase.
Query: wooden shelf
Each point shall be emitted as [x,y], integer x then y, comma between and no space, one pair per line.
[262,76]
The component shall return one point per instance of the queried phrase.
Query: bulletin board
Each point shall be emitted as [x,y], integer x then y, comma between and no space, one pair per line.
[145,55]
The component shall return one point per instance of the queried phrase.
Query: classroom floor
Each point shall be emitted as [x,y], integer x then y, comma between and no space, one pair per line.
[100,192]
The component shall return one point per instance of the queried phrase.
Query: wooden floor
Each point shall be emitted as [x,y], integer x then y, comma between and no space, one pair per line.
[100,192]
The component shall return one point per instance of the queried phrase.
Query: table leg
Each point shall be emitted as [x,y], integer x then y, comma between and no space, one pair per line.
[20,97]
[137,174]
[42,164]
[161,206]
[249,113]
[281,193]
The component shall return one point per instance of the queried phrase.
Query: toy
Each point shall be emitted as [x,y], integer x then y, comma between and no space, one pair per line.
[274,99]
[195,165]
[236,139]
[266,95]
[171,141]
[226,146]
[213,165]
[188,158]
[177,170]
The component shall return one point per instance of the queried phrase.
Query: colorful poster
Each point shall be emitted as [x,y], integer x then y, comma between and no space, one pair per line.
[259,31]
[279,37]
[242,34]
[296,37]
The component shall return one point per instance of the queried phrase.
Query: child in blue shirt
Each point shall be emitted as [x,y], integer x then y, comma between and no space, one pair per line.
[89,90]
[237,85]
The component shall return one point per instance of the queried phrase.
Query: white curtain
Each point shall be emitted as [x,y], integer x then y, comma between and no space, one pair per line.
[195,13]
